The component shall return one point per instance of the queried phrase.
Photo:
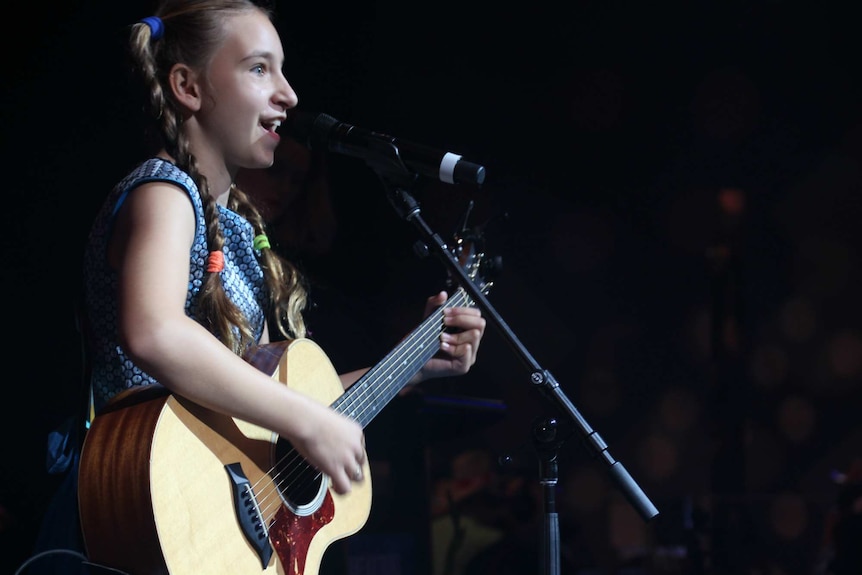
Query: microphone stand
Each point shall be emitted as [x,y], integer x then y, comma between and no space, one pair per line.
[545,439]
[396,178]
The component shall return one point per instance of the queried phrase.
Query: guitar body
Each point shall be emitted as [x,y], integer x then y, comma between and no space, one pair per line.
[156,494]
[166,486]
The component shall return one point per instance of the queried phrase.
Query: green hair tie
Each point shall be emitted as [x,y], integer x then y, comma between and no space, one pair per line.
[261,242]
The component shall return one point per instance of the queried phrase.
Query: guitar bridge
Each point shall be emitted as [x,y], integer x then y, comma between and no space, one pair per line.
[248,513]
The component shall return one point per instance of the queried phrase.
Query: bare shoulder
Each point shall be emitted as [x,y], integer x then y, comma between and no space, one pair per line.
[155,216]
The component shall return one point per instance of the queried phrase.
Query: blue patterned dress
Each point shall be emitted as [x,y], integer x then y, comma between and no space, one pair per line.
[112,370]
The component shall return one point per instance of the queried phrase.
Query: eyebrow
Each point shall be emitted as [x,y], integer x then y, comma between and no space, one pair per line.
[260,54]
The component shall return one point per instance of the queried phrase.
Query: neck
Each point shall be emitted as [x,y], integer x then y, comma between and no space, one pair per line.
[223,197]
[217,178]
[219,181]
[210,159]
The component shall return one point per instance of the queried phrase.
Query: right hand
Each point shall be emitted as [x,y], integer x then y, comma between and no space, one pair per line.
[334,444]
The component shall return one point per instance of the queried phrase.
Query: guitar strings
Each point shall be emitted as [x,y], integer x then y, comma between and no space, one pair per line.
[301,474]
[459,298]
[304,473]
[358,403]
[427,347]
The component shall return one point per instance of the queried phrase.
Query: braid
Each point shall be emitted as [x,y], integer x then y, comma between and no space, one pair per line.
[190,35]
[284,281]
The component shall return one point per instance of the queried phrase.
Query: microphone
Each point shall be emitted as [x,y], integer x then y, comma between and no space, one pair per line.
[381,150]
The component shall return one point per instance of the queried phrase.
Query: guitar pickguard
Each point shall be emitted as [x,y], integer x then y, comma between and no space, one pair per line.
[292,534]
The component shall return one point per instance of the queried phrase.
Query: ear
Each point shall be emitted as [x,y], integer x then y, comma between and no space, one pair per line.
[185,87]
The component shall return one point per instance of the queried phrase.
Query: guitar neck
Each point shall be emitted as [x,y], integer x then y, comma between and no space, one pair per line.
[381,384]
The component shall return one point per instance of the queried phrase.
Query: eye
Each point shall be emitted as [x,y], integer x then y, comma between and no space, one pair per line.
[259,69]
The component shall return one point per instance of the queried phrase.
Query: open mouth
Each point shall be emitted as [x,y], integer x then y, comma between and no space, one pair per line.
[271,126]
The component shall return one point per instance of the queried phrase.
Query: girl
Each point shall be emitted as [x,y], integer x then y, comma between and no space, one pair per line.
[176,288]
[179,276]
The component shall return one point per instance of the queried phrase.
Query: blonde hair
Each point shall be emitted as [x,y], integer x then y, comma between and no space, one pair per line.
[192,30]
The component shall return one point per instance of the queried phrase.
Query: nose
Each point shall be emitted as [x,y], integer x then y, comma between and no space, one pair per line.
[285,96]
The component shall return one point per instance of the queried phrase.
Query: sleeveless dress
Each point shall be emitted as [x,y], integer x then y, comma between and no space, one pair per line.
[112,371]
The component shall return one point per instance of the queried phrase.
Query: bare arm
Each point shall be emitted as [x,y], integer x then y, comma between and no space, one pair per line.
[150,249]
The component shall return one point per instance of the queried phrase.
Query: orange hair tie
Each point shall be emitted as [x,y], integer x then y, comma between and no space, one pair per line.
[215,261]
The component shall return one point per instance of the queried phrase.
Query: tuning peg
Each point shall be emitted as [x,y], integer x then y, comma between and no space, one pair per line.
[462,224]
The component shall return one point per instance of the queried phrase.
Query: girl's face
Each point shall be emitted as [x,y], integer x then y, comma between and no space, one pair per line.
[245,93]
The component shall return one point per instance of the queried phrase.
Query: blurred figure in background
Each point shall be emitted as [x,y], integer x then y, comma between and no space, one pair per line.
[843,538]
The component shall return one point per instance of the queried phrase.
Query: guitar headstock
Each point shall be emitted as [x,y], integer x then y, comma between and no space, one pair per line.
[468,247]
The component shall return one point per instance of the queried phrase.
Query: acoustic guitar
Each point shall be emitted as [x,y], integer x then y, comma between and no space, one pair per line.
[169,487]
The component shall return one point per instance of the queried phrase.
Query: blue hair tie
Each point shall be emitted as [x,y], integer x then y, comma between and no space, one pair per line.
[157,28]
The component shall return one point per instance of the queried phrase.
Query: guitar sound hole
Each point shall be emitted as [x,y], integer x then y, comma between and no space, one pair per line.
[301,486]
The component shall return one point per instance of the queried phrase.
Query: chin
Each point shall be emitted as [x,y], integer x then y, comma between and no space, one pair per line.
[262,162]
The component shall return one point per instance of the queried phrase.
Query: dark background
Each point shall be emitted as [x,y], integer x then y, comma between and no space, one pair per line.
[717,350]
